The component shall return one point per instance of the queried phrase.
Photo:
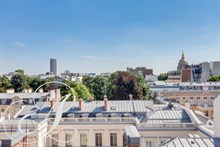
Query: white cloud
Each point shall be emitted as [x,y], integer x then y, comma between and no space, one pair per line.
[89,57]
[20,44]
[70,40]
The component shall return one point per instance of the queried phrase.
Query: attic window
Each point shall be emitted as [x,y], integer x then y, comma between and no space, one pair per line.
[113,108]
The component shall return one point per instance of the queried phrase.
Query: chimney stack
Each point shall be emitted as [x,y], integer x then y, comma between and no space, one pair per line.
[130,97]
[40,90]
[74,98]
[52,103]
[105,103]
[47,99]
[80,104]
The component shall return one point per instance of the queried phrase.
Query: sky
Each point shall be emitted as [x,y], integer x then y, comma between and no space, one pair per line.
[107,35]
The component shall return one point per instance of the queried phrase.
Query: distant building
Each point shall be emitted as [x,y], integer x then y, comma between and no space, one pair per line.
[206,71]
[53,66]
[216,68]
[199,95]
[143,71]
[186,75]
[183,63]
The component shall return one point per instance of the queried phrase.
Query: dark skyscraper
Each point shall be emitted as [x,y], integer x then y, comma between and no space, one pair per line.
[53,66]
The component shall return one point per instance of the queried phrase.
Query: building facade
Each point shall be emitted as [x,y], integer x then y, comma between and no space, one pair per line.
[53,66]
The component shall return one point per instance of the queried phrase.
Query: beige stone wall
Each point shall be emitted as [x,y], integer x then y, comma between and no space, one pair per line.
[158,137]
[90,130]
[192,97]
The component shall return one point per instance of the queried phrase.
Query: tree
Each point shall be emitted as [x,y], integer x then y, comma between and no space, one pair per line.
[99,87]
[64,89]
[82,91]
[96,85]
[163,77]
[88,82]
[18,82]
[144,87]
[73,93]
[4,84]
[36,82]
[214,79]
[111,85]
[126,84]
[19,71]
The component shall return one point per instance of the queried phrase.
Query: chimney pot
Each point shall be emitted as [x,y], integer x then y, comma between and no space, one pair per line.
[74,98]
[105,103]
[130,97]
[52,104]
[80,104]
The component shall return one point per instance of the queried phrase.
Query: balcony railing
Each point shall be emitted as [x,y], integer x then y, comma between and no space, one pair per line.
[96,120]
[166,126]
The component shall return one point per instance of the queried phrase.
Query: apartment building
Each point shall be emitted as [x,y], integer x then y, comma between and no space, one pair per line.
[129,123]
[199,95]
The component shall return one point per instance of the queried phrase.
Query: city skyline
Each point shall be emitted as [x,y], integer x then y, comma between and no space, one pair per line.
[107,36]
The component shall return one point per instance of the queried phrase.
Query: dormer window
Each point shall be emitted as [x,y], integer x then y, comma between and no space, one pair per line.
[113,107]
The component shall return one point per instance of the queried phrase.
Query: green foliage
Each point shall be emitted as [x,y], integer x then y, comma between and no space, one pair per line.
[111,85]
[4,84]
[163,77]
[19,71]
[96,85]
[36,82]
[117,87]
[18,81]
[64,89]
[73,93]
[214,79]
[82,91]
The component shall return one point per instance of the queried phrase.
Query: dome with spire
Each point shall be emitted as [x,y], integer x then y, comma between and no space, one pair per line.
[183,63]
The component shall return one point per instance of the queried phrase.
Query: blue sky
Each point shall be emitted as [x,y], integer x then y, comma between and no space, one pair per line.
[107,35]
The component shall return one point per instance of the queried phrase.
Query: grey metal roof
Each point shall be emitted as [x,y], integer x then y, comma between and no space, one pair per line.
[27,109]
[132,132]
[98,106]
[169,116]
[23,95]
[193,142]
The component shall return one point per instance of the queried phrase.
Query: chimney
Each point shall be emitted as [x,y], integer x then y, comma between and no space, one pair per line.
[217,116]
[74,98]
[52,103]
[187,104]
[47,99]
[80,104]
[10,91]
[40,90]
[105,103]
[8,115]
[29,90]
[130,97]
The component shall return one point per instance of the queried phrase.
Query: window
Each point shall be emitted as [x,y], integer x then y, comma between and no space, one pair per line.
[3,101]
[191,101]
[198,101]
[113,139]
[55,142]
[98,139]
[30,101]
[149,144]
[83,140]
[68,138]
